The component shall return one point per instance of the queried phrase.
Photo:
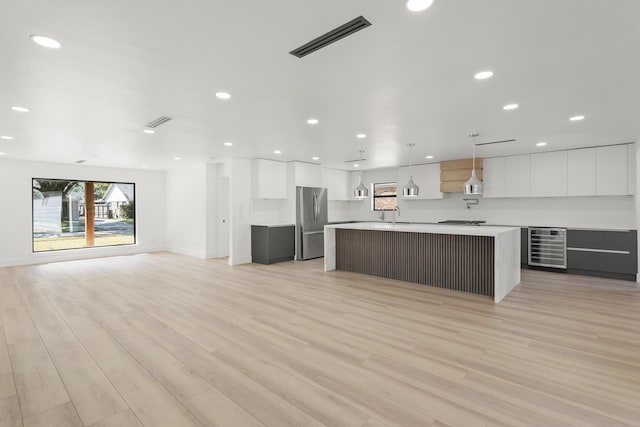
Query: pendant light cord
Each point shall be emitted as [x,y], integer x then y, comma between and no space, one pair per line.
[410,160]
[474,135]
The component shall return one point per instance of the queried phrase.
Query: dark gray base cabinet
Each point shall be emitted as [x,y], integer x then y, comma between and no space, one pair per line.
[271,244]
[600,253]
[611,254]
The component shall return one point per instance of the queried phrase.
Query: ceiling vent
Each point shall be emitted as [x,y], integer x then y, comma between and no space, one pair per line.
[157,122]
[332,36]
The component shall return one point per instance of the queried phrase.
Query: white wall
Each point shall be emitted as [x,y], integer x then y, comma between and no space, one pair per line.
[340,210]
[186,207]
[637,199]
[269,212]
[16,206]
[587,212]
[211,213]
[240,227]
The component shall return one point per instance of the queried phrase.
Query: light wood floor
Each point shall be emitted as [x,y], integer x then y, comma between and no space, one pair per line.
[167,340]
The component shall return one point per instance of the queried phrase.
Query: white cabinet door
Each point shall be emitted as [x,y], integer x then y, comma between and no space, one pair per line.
[308,175]
[517,175]
[581,172]
[337,183]
[426,177]
[494,177]
[549,174]
[269,179]
[631,169]
[611,170]
[429,176]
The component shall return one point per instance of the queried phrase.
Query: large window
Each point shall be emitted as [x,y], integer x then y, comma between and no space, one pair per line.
[384,196]
[82,214]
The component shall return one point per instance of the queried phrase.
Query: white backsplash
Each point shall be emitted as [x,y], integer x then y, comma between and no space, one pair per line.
[576,212]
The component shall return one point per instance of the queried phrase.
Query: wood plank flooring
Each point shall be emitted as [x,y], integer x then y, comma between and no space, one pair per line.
[168,340]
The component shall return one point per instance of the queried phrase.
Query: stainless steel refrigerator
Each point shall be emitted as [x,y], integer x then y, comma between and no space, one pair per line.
[311,213]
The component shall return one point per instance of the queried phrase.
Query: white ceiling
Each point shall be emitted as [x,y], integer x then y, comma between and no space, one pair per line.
[406,79]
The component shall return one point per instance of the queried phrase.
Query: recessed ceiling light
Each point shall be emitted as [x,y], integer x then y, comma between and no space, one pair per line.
[20,109]
[361,135]
[277,152]
[3,154]
[482,75]
[223,95]
[177,158]
[510,107]
[45,41]
[149,131]
[228,144]
[7,137]
[541,144]
[418,5]
[313,121]
[144,166]
[356,165]
[315,158]
[429,157]
[576,118]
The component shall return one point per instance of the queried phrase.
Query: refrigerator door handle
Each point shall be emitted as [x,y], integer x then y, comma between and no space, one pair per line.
[315,207]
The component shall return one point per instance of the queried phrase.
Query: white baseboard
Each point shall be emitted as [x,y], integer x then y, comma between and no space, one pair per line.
[188,252]
[240,260]
[77,255]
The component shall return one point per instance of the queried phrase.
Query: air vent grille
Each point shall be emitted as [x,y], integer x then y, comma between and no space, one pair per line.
[332,36]
[157,122]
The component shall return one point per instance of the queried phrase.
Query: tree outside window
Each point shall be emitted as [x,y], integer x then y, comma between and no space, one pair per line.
[71,214]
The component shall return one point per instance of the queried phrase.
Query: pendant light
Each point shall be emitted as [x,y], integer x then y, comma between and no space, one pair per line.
[361,192]
[474,185]
[411,189]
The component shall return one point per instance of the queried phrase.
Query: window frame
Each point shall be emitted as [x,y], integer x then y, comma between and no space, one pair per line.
[135,219]
[374,197]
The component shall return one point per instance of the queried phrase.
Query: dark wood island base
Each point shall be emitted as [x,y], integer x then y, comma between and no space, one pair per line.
[461,263]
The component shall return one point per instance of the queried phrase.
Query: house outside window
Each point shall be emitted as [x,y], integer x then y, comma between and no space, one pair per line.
[385,197]
[69,214]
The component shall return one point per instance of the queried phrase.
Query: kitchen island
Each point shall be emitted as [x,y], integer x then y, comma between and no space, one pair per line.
[482,260]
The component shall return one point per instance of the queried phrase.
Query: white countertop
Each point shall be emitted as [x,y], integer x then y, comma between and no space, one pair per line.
[465,230]
[273,225]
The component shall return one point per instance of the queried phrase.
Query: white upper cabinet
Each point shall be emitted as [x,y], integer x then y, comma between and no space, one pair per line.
[548,174]
[611,170]
[337,183]
[517,173]
[598,171]
[631,169]
[269,179]
[494,177]
[308,174]
[426,177]
[581,172]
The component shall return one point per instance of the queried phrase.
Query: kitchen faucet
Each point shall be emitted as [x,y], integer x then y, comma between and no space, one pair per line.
[470,202]
[396,209]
